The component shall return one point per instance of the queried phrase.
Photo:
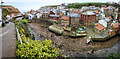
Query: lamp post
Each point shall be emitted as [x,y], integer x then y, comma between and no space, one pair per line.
[1,12]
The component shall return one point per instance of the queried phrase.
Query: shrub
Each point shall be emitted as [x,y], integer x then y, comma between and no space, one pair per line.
[24,22]
[30,48]
[36,49]
[114,56]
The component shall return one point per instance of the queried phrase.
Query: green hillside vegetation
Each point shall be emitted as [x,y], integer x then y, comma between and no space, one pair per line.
[31,48]
[79,5]
[5,12]
[53,6]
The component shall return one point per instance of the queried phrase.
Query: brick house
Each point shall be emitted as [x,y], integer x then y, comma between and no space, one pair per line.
[99,28]
[54,17]
[65,20]
[39,15]
[116,26]
[75,18]
[88,18]
[109,11]
[45,15]
[52,13]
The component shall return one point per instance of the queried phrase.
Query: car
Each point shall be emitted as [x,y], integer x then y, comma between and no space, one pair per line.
[6,21]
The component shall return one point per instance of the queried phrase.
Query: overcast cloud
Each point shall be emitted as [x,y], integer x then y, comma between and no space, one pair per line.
[26,5]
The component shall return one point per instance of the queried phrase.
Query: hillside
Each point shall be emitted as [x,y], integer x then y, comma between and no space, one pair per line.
[79,5]
[8,9]
[5,12]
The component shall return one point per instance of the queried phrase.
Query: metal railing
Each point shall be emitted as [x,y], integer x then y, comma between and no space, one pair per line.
[18,35]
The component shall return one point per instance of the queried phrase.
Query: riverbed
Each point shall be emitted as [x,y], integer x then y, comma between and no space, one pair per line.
[75,47]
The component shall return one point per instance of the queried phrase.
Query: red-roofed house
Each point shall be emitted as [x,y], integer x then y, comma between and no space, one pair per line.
[99,28]
[52,13]
[65,20]
[116,25]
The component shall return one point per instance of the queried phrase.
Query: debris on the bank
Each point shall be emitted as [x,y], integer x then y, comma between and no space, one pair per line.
[88,40]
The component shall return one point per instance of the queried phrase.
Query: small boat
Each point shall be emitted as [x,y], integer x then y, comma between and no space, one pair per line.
[77,35]
[56,29]
[81,34]
[67,28]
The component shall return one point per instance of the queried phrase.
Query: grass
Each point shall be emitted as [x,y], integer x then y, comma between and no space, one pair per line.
[0,26]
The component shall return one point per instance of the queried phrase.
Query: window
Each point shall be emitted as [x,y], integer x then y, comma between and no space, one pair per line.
[75,19]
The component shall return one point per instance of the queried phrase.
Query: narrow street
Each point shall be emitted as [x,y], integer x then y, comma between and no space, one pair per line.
[8,40]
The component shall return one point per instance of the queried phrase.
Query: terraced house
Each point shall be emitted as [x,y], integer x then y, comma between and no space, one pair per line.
[88,18]
[75,18]
[108,11]
[45,15]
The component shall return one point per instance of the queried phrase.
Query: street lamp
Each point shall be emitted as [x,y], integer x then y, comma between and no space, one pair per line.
[1,12]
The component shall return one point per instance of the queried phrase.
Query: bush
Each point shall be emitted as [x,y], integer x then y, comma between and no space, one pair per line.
[114,56]
[36,49]
[24,22]
[30,48]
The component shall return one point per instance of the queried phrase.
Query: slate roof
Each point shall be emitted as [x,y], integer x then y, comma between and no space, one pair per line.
[74,15]
[89,13]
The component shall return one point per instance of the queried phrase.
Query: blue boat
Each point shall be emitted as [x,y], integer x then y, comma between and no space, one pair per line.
[80,29]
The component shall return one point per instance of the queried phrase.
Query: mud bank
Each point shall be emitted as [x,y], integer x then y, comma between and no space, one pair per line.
[75,47]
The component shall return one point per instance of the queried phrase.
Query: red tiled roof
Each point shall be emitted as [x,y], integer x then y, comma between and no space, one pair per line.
[40,13]
[116,25]
[65,18]
[63,9]
[110,6]
[105,8]
[34,11]
[99,26]
[14,14]
[96,11]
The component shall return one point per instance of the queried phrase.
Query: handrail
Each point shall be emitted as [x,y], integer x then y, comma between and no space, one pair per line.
[18,35]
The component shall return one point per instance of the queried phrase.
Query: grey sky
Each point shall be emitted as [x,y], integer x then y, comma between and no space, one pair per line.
[26,5]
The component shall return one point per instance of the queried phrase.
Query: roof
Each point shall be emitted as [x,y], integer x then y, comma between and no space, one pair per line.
[96,11]
[107,19]
[89,13]
[74,15]
[65,18]
[103,23]
[40,13]
[45,12]
[54,15]
[63,9]
[116,25]
[61,14]
[99,26]
[77,11]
